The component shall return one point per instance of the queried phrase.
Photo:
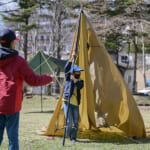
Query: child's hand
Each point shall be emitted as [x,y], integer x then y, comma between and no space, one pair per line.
[74,54]
[72,77]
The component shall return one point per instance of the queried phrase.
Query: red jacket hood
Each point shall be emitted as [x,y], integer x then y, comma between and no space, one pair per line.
[7,56]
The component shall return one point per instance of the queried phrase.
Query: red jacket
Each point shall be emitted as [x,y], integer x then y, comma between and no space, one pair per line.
[13,71]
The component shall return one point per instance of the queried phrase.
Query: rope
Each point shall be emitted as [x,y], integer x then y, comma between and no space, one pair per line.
[47,62]
[56,77]
[41,63]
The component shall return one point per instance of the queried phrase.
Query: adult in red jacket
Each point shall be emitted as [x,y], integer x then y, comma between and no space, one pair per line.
[13,71]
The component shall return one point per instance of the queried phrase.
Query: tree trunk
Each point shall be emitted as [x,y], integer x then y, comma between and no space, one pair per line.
[117,57]
[26,42]
[135,66]
[143,51]
[128,54]
[59,20]
[58,40]
[56,36]
[53,28]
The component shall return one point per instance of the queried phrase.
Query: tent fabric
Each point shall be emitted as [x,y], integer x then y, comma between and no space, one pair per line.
[59,62]
[105,95]
[44,64]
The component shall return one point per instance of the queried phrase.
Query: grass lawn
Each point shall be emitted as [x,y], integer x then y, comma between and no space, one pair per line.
[32,119]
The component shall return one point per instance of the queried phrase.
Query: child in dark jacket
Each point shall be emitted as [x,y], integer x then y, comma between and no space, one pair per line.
[13,71]
[72,91]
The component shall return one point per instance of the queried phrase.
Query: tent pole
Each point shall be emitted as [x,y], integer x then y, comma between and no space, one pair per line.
[41,86]
[41,101]
[73,63]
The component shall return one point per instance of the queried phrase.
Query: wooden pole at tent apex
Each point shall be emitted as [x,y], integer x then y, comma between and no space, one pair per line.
[73,63]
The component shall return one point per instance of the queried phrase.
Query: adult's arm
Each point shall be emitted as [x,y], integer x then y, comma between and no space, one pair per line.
[30,77]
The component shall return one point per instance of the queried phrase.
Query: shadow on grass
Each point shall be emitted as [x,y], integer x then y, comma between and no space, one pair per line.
[124,142]
[118,142]
[144,140]
[34,112]
[118,138]
[95,136]
[121,142]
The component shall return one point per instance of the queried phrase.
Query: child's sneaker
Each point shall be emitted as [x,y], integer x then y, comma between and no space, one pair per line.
[73,140]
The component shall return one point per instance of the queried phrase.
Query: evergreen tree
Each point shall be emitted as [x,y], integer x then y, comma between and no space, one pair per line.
[113,42]
[22,16]
[117,15]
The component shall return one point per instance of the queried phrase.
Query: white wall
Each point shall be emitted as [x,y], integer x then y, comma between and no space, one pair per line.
[128,77]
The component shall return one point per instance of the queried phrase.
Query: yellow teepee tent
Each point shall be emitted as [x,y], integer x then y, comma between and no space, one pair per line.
[104,92]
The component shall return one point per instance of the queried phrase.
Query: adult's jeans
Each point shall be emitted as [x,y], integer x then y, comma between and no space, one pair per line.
[11,123]
[72,121]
